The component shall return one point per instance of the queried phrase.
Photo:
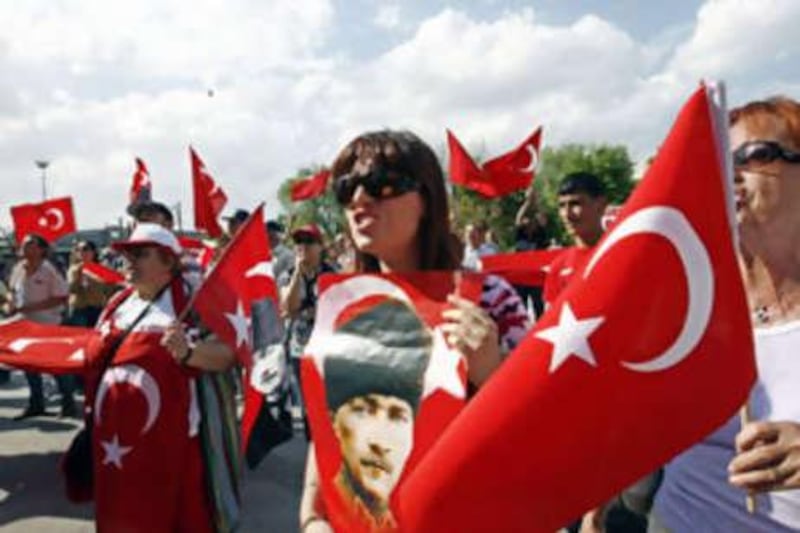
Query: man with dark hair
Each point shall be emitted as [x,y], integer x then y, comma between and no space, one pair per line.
[38,292]
[581,204]
[235,221]
[154,212]
[374,373]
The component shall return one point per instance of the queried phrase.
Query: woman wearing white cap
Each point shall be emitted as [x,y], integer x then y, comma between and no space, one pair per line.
[149,475]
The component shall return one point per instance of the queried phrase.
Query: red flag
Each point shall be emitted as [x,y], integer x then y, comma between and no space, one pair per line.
[103,274]
[43,348]
[499,176]
[238,300]
[141,186]
[521,268]
[201,252]
[51,219]
[613,381]
[309,188]
[209,198]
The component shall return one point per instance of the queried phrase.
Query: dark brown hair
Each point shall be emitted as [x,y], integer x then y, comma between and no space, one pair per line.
[784,111]
[403,152]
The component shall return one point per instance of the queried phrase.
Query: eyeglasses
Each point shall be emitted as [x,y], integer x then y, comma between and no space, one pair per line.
[379,184]
[762,153]
[138,252]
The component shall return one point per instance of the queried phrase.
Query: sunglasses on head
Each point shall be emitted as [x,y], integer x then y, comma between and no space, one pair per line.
[379,184]
[763,152]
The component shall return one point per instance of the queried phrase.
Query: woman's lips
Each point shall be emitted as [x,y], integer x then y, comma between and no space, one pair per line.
[363,219]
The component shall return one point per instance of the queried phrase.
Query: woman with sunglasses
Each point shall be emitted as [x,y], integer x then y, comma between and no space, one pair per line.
[704,489]
[392,190]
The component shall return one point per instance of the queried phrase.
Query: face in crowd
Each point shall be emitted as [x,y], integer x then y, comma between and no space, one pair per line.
[375,434]
[765,139]
[581,205]
[392,190]
[147,264]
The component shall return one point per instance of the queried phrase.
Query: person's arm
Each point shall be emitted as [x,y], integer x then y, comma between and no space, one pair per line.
[768,457]
[527,205]
[75,279]
[53,301]
[209,354]
[311,519]
[291,296]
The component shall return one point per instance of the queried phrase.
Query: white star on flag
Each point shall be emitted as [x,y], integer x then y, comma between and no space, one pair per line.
[240,323]
[262,268]
[442,372]
[114,452]
[570,337]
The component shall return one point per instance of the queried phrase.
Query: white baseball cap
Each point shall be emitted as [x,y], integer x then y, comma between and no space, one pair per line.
[149,234]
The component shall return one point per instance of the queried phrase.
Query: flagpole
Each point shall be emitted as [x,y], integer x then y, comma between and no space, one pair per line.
[719,114]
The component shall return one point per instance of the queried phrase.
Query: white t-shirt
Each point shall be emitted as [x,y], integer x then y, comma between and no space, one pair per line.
[696,495]
[42,284]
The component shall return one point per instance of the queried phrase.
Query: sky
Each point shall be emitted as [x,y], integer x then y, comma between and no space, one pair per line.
[262,88]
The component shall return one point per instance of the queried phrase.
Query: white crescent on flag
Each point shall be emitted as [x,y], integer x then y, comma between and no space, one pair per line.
[673,225]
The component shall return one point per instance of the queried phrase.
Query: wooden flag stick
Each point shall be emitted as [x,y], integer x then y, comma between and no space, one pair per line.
[745,418]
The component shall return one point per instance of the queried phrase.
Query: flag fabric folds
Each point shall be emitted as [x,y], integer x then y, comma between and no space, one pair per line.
[103,274]
[499,176]
[209,198]
[310,187]
[51,219]
[613,380]
[528,269]
[38,347]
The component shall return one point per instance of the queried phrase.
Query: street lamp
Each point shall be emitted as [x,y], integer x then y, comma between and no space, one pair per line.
[42,164]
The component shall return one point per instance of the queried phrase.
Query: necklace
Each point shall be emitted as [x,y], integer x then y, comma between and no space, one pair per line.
[761,315]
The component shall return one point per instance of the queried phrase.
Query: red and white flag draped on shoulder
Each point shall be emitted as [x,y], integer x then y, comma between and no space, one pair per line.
[614,380]
[209,198]
[238,301]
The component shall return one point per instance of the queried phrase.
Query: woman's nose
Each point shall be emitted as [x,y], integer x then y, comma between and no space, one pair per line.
[361,196]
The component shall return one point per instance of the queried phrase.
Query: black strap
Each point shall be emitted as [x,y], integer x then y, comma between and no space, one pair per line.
[106,362]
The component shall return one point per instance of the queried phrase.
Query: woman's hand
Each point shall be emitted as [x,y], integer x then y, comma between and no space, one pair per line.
[471,330]
[174,340]
[768,457]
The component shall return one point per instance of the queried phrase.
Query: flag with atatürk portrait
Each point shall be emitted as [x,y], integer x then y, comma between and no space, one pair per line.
[380,384]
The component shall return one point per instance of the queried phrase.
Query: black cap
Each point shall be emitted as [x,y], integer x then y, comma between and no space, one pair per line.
[240,215]
[274,226]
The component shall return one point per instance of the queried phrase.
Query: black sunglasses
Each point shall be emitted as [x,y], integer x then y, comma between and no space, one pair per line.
[763,152]
[138,252]
[379,184]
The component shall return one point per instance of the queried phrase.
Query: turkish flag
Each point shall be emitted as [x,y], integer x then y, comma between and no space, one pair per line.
[202,252]
[614,380]
[102,273]
[311,187]
[521,268]
[209,198]
[502,175]
[238,300]
[380,384]
[38,347]
[51,219]
[141,186]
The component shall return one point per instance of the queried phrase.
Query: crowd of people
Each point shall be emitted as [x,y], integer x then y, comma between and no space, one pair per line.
[391,189]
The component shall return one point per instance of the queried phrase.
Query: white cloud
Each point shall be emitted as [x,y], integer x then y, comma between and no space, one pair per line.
[387,16]
[92,92]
